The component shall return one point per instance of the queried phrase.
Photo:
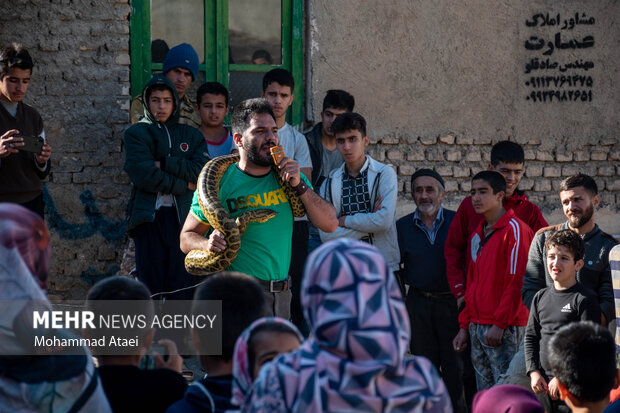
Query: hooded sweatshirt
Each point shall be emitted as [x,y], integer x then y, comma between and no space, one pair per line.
[181,151]
[210,394]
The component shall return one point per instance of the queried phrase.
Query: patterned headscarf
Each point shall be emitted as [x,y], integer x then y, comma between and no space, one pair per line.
[242,379]
[25,231]
[355,358]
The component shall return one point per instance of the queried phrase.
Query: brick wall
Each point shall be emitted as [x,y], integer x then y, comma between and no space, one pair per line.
[80,85]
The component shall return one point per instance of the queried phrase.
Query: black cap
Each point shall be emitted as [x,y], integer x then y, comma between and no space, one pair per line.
[427,172]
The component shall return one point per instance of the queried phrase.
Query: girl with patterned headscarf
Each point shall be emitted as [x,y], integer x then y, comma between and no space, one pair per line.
[261,342]
[355,359]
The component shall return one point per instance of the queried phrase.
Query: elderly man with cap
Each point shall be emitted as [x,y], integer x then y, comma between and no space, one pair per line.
[181,67]
[432,307]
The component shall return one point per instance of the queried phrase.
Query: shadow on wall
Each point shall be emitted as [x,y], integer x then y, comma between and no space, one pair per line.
[95,222]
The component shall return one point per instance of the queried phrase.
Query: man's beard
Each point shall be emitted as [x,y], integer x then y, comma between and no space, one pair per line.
[428,208]
[254,155]
[578,222]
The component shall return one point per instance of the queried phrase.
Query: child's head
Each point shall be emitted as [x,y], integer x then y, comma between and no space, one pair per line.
[243,302]
[278,86]
[122,288]
[582,356]
[508,159]
[565,252]
[212,103]
[487,191]
[261,342]
[351,138]
[336,102]
[160,101]
[268,340]
[261,57]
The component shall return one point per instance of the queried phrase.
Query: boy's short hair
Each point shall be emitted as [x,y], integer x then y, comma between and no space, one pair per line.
[507,152]
[279,75]
[214,88]
[582,356]
[14,56]
[156,87]
[245,110]
[569,240]
[349,121]
[243,301]
[580,180]
[496,181]
[120,288]
[339,99]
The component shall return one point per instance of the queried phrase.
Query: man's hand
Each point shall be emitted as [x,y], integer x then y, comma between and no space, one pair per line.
[174,362]
[216,242]
[45,154]
[460,341]
[9,144]
[537,381]
[289,171]
[341,221]
[554,389]
[603,320]
[191,186]
[493,337]
[459,302]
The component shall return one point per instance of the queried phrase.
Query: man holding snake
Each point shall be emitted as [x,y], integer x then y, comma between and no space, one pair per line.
[251,184]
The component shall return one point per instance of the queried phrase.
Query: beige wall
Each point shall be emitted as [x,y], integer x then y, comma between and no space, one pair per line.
[440,82]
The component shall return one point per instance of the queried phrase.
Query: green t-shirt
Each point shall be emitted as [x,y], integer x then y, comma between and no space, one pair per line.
[265,251]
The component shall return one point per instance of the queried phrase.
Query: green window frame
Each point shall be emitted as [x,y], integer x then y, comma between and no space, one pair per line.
[216,48]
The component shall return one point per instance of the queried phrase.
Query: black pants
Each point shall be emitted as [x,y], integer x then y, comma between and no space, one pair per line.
[299,254]
[36,205]
[434,324]
[159,259]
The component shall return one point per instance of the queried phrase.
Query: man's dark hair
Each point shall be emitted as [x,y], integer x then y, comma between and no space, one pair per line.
[268,327]
[582,356]
[580,180]
[243,302]
[119,288]
[567,239]
[14,56]
[339,99]
[349,121]
[496,181]
[214,88]
[507,152]
[279,75]
[247,109]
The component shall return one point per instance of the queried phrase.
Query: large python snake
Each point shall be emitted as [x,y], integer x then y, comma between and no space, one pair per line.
[203,262]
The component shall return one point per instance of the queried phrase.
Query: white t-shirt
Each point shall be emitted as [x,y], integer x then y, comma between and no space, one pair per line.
[295,145]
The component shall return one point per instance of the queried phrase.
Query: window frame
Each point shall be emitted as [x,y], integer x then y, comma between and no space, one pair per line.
[216,48]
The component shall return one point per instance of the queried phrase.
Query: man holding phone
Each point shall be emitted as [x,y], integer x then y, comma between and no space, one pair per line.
[24,153]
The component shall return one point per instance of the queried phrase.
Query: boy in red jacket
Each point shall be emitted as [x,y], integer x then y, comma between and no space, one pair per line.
[508,159]
[494,314]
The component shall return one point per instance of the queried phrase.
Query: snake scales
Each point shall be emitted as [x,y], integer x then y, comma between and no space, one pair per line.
[202,262]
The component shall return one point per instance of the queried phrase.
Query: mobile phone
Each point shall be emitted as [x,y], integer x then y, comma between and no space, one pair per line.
[32,143]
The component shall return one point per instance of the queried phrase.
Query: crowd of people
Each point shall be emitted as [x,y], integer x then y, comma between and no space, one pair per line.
[484,309]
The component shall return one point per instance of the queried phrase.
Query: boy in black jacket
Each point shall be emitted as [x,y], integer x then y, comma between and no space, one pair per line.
[553,307]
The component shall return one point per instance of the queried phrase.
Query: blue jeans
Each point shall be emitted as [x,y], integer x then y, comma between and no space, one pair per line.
[491,362]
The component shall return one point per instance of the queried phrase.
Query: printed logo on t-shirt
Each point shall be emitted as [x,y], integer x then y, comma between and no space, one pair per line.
[566,308]
[475,247]
[184,147]
[265,199]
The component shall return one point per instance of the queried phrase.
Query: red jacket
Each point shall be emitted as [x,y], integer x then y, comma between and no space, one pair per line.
[463,225]
[495,274]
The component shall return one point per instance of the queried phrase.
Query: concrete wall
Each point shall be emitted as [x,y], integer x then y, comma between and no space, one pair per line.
[80,85]
[440,82]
